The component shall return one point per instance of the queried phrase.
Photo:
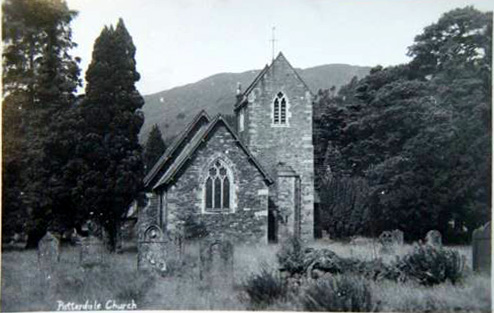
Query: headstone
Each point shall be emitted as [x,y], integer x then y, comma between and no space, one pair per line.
[48,258]
[48,252]
[93,251]
[397,237]
[481,248]
[152,251]
[216,262]
[178,238]
[386,241]
[434,238]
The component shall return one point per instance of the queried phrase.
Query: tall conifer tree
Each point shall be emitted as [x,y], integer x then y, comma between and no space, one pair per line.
[40,78]
[113,120]
[155,147]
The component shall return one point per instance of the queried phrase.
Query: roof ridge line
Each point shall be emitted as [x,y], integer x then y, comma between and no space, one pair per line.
[175,144]
[210,126]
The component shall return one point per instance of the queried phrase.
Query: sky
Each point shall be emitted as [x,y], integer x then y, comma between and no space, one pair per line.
[182,41]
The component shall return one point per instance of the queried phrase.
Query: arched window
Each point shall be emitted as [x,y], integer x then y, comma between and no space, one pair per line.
[280,113]
[218,188]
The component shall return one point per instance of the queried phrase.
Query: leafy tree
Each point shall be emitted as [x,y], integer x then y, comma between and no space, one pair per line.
[155,147]
[110,148]
[419,133]
[40,78]
[456,56]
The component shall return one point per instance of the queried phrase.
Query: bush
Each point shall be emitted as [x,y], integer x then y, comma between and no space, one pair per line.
[339,293]
[264,288]
[373,269]
[291,256]
[432,265]
[326,261]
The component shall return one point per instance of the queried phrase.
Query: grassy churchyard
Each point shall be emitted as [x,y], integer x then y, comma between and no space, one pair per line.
[116,283]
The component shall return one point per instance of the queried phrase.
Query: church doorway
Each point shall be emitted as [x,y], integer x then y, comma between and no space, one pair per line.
[272,227]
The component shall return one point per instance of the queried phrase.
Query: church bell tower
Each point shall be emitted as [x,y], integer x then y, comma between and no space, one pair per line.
[274,119]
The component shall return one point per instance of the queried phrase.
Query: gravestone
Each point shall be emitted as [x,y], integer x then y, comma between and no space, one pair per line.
[481,248]
[48,258]
[92,252]
[397,237]
[216,262]
[152,250]
[48,252]
[386,241]
[434,238]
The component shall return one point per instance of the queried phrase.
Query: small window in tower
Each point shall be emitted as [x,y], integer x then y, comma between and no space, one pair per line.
[276,115]
[280,110]
[283,111]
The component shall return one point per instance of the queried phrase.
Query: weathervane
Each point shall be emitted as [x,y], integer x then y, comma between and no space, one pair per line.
[272,43]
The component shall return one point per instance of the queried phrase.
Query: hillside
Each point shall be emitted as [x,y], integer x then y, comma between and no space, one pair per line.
[172,109]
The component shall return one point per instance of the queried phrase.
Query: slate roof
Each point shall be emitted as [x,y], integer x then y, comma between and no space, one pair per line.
[200,120]
[179,160]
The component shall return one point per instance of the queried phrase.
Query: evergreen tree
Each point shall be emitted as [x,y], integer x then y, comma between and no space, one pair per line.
[155,147]
[110,148]
[40,78]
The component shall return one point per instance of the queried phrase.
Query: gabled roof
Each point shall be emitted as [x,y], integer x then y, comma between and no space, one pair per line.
[198,122]
[191,147]
[280,58]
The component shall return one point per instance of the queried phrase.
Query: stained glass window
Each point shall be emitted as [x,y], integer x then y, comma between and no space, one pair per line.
[217,188]
[209,193]
[226,193]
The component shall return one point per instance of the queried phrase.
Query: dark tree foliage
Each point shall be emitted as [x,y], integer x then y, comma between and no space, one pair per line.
[418,133]
[112,116]
[155,147]
[39,81]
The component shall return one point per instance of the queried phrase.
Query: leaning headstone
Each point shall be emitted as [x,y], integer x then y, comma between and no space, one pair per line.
[481,248]
[92,252]
[48,252]
[386,241]
[216,262]
[152,251]
[397,237]
[434,238]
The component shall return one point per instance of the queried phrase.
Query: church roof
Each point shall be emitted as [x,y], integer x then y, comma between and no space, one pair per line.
[193,144]
[242,100]
[197,123]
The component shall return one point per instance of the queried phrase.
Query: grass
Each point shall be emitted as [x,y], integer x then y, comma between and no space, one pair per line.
[25,289]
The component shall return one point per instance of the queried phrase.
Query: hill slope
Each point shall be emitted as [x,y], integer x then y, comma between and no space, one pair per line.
[172,109]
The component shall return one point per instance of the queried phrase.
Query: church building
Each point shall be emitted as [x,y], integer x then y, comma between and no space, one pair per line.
[252,182]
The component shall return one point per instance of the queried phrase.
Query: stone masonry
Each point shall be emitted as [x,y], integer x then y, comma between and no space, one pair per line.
[290,144]
[184,196]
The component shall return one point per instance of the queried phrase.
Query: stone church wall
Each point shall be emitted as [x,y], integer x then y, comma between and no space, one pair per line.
[291,145]
[248,222]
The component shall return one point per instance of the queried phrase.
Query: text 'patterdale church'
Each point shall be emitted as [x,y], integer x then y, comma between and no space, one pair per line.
[252,182]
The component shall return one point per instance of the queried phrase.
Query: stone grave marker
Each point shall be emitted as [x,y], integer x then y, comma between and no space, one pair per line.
[93,251]
[481,248]
[48,259]
[434,238]
[386,240]
[48,252]
[152,250]
[216,262]
[397,237]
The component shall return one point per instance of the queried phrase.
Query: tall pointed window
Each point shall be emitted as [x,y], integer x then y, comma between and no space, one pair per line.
[280,114]
[218,188]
